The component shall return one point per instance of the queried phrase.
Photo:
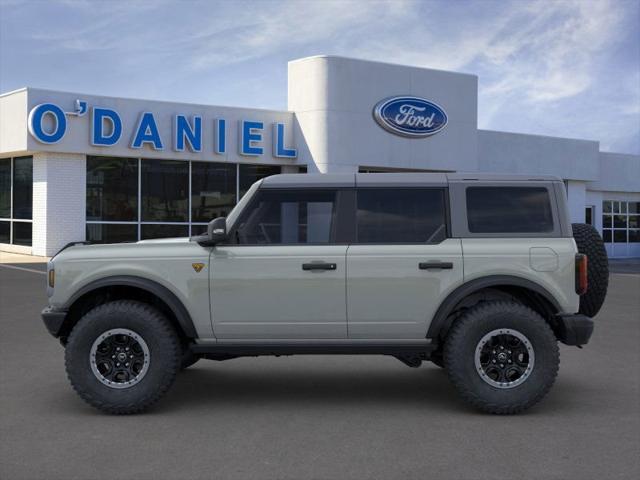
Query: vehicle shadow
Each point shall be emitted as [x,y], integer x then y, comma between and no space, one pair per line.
[220,387]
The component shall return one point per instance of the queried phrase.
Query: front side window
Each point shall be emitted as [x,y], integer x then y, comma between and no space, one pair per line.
[401,216]
[509,210]
[288,217]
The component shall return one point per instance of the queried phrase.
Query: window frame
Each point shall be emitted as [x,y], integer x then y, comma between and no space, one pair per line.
[618,208]
[445,203]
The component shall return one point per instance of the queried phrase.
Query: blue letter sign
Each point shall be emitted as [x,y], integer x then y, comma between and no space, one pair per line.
[35,123]
[279,150]
[183,131]
[98,136]
[248,137]
[147,132]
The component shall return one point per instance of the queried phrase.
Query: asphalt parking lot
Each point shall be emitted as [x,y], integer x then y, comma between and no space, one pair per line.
[318,417]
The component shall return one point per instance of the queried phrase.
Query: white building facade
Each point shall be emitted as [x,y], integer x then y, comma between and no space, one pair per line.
[77,167]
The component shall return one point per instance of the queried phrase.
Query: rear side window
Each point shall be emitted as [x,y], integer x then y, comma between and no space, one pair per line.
[401,216]
[278,217]
[509,210]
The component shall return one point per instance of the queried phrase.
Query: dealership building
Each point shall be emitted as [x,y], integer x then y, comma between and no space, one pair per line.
[76,167]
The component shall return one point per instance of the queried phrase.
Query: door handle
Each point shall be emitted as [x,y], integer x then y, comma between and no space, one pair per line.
[435,265]
[319,266]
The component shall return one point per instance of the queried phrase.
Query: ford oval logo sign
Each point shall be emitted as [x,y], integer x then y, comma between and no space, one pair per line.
[410,116]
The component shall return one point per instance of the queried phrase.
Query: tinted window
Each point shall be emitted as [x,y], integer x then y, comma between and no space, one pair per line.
[5,188]
[164,231]
[213,190]
[165,188]
[249,174]
[111,233]
[23,190]
[401,216]
[509,210]
[285,217]
[5,231]
[112,189]
[22,233]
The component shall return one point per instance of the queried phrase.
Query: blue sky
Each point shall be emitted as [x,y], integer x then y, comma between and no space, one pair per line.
[563,68]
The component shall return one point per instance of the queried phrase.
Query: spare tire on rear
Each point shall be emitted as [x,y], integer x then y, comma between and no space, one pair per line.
[590,243]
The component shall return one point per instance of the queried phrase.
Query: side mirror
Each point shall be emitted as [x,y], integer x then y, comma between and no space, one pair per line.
[217,230]
[216,233]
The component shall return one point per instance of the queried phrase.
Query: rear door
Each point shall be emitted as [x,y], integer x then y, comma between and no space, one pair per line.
[284,275]
[402,263]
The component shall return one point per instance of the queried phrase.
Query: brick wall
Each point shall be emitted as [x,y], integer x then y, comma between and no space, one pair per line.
[59,198]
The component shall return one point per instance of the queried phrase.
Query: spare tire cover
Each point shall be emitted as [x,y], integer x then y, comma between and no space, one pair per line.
[590,243]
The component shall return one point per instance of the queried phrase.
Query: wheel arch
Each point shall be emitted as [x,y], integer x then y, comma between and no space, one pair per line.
[133,288]
[526,291]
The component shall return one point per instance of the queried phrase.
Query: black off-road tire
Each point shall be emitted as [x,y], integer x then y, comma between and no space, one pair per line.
[464,337]
[164,347]
[590,243]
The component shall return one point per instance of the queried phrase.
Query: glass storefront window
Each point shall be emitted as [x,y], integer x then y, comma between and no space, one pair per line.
[111,233]
[130,199]
[249,174]
[5,188]
[22,233]
[213,190]
[112,189]
[165,187]
[5,232]
[164,231]
[22,187]
[16,200]
[623,225]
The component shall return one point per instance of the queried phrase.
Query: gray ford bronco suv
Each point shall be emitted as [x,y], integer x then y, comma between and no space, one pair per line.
[479,274]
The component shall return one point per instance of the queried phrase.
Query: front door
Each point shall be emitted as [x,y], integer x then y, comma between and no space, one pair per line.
[282,276]
[402,264]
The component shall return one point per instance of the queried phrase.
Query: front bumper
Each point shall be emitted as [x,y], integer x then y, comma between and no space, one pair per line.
[574,329]
[53,319]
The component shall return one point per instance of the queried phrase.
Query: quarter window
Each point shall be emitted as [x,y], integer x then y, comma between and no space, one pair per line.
[288,217]
[509,210]
[400,216]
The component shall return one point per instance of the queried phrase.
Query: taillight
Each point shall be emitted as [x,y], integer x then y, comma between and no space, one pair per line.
[581,274]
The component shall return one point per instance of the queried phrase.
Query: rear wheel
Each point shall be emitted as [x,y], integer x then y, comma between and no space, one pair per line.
[122,357]
[502,357]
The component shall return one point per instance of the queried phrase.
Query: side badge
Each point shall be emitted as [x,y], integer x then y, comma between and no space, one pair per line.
[197,267]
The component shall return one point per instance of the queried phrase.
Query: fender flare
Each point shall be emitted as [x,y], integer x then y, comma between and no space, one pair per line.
[150,286]
[441,322]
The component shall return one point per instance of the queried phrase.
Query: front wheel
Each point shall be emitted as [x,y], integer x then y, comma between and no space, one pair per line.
[502,357]
[122,356]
